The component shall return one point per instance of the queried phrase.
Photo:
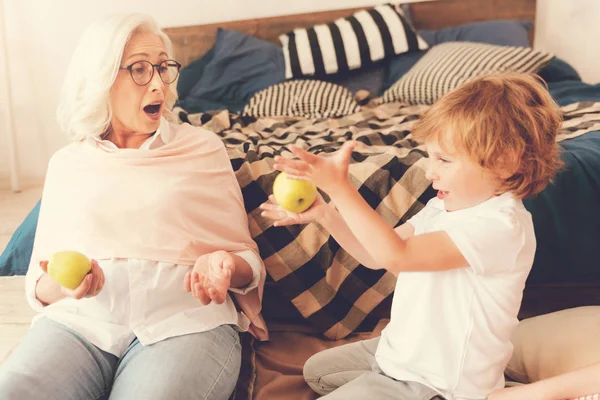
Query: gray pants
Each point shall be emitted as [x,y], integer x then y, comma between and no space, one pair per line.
[53,362]
[351,372]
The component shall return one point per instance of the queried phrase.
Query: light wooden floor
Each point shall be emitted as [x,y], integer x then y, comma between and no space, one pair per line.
[15,313]
[14,207]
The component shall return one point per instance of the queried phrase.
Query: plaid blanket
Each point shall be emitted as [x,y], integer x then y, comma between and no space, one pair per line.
[304,264]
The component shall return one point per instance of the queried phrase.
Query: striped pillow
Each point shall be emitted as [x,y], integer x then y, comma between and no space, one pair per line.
[448,65]
[302,98]
[349,43]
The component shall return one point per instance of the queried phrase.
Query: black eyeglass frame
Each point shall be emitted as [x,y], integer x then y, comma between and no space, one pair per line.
[154,67]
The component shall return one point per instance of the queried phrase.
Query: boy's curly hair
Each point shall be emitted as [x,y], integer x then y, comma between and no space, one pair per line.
[504,122]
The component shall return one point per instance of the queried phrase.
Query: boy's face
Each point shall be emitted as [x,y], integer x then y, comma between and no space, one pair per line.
[460,182]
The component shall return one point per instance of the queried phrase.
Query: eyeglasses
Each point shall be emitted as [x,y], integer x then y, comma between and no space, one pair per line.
[142,72]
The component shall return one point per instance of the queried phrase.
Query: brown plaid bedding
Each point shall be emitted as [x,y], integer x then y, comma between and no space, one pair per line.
[304,264]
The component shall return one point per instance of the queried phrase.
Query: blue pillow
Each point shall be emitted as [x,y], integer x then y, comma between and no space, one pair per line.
[14,260]
[500,32]
[558,70]
[236,68]
[567,92]
[370,78]
[192,72]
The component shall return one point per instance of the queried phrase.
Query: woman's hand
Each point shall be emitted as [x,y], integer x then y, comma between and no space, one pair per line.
[326,173]
[274,211]
[90,286]
[210,278]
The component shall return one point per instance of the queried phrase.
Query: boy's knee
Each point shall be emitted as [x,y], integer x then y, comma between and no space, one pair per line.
[319,365]
[326,371]
[313,372]
[309,369]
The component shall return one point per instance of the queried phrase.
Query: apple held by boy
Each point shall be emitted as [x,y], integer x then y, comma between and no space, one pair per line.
[294,195]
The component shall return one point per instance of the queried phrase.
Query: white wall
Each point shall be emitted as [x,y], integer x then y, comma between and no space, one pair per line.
[571,30]
[42,35]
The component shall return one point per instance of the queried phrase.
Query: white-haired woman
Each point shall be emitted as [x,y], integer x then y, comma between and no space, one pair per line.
[157,208]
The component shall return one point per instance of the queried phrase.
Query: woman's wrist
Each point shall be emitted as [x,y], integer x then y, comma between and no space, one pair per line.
[241,273]
[47,291]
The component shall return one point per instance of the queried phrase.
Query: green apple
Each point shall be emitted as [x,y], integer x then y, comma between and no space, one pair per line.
[68,268]
[293,195]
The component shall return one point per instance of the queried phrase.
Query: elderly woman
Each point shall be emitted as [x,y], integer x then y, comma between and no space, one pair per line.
[157,208]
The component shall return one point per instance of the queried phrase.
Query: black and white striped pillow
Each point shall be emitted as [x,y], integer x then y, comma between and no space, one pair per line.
[448,65]
[302,98]
[349,43]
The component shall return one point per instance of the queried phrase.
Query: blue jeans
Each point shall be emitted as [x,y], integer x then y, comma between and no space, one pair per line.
[53,362]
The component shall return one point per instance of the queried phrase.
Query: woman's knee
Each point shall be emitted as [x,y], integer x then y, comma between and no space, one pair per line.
[14,385]
[204,365]
[54,361]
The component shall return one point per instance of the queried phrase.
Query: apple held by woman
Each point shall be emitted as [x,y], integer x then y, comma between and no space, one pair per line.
[68,268]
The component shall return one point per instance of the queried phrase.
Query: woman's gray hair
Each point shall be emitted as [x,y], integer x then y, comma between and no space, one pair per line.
[84,105]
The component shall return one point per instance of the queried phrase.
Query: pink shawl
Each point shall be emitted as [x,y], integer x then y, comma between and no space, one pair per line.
[171,204]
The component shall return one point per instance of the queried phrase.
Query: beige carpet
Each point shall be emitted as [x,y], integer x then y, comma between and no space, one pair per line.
[15,313]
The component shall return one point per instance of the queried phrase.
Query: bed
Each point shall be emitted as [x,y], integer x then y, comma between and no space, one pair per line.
[235,82]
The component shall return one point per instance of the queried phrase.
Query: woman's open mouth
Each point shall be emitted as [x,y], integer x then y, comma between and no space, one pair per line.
[153,110]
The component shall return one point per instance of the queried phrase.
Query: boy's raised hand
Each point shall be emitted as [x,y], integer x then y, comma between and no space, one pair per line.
[282,217]
[326,173]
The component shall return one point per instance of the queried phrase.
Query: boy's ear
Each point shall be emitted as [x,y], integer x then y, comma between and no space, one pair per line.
[507,166]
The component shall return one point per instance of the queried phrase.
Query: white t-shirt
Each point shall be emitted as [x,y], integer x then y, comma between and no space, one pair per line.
[451,330]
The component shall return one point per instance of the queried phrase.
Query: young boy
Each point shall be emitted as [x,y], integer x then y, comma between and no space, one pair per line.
[461,262]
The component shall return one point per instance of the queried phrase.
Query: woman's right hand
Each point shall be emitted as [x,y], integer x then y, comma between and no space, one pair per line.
[90,286]
[274,211]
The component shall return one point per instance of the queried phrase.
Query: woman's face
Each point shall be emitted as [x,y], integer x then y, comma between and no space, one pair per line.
[137,109]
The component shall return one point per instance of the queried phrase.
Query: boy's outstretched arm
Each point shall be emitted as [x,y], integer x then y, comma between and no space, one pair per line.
[385,246]
[326,215]
[428,252]
[337,227]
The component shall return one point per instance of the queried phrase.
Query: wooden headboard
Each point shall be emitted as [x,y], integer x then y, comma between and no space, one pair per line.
[191,42]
